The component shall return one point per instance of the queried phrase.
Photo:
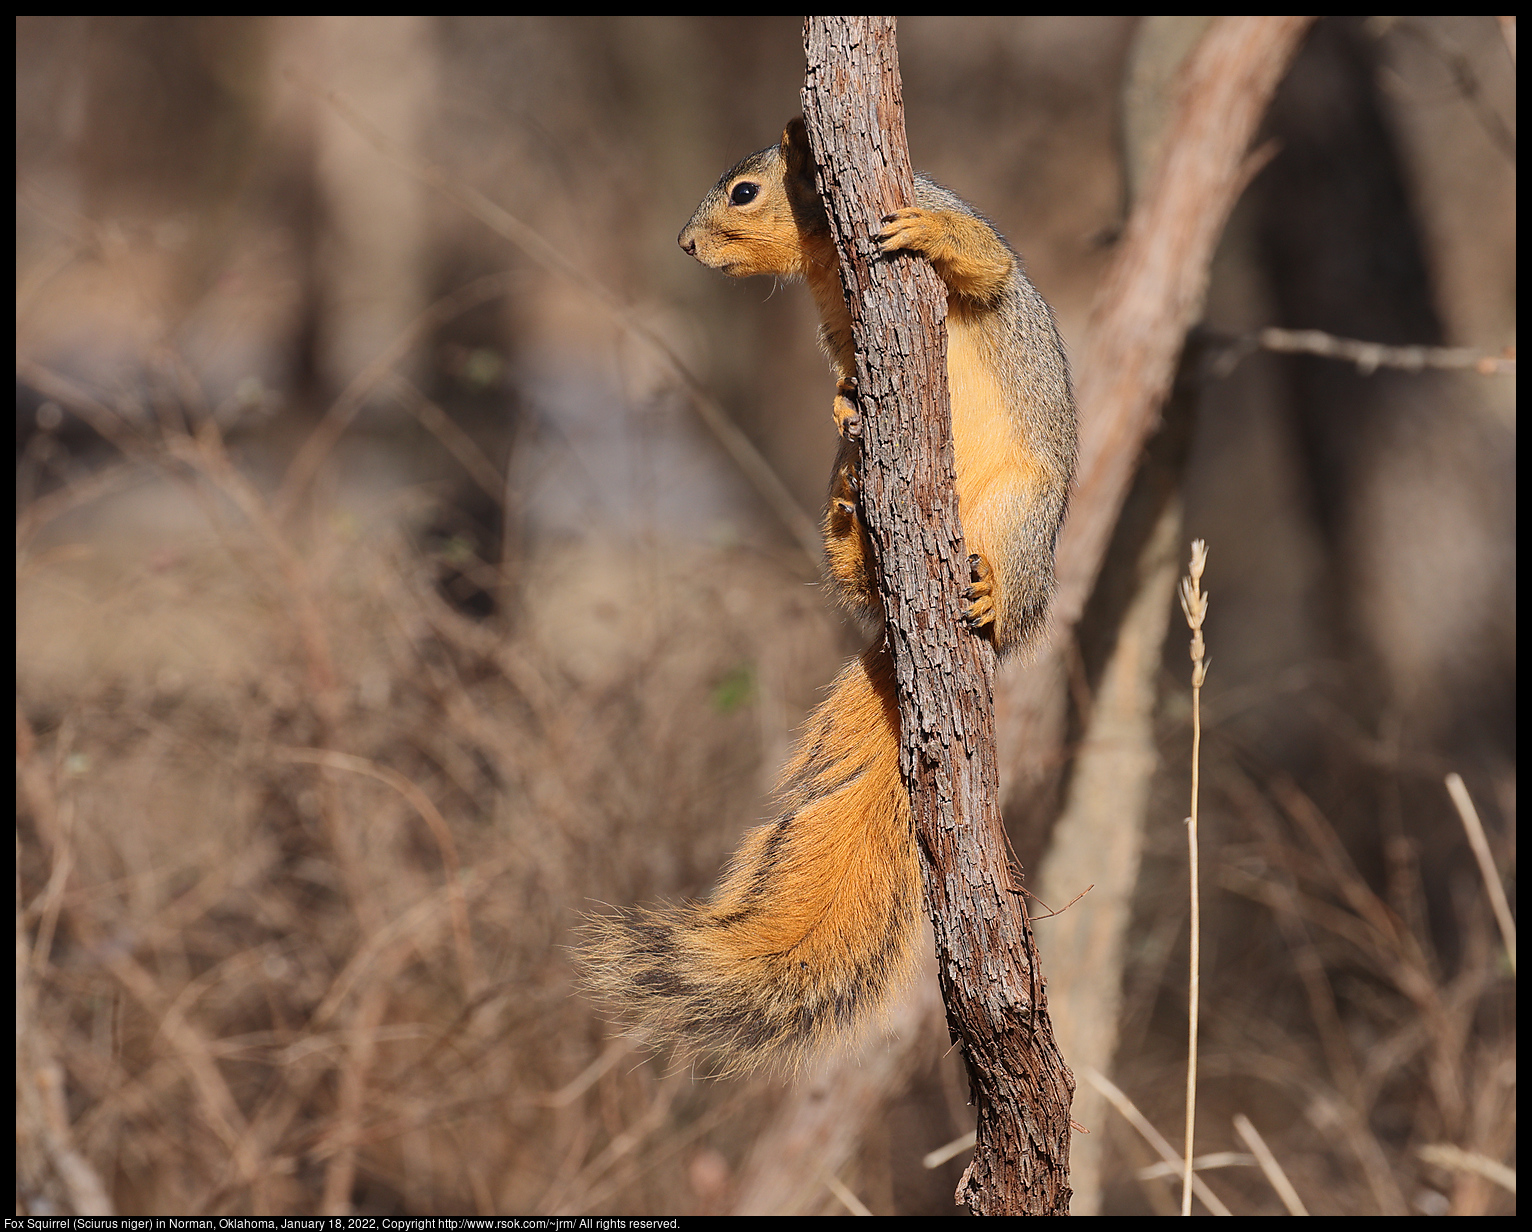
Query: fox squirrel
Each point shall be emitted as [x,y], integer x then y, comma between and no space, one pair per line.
[814,923]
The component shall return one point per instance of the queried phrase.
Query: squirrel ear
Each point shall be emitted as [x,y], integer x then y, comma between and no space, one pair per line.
[795,149]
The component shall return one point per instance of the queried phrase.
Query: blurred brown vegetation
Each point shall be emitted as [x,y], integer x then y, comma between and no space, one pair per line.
[316,777]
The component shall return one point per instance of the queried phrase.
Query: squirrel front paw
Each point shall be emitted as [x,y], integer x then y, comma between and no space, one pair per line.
[908,230]
[979,615]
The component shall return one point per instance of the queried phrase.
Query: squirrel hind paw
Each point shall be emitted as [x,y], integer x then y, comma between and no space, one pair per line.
[980,593]
[848,417]
[847,410]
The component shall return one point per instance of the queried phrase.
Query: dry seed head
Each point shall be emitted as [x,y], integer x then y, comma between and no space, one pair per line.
[1199,559]
[1195,604]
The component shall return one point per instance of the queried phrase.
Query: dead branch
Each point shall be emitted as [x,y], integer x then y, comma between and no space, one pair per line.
[1367,356]
[1151,295]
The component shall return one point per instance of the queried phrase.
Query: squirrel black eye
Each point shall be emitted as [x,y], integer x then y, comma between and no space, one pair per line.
[744,193]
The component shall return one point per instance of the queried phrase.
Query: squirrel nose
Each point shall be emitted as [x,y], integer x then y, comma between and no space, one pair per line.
[689,247]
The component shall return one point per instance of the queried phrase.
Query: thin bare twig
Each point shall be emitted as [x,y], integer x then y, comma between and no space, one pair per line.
[1269,1165]
[1481,852]
[1367,356]
[1194,603]
[1119,1100]
[106,420]
[444,428]
[936,1158]
[1445,1155]
[1210,1162]
[848,1199]
[1049,912]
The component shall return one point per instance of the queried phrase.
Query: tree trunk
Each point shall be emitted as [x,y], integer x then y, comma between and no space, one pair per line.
[986,958]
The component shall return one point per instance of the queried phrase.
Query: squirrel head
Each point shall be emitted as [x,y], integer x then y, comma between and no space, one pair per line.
[764,216]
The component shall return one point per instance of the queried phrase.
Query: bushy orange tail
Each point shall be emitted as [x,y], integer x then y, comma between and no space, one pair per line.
[814,922]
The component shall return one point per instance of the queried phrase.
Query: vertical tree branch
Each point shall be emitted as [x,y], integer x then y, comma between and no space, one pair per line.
[1153,292]
[986,958]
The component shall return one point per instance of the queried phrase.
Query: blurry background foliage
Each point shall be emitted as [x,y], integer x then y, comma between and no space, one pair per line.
[315,780]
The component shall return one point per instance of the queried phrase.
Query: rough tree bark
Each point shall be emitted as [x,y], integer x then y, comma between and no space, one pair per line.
[1178,217]
[986,958]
